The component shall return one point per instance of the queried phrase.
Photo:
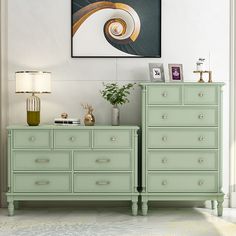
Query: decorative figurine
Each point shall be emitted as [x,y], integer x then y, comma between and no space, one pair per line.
[89,119]
[64,115]
[200,68]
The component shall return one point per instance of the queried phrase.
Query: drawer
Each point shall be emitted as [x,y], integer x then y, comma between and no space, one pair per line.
[31,139]
[112,139]
[182,116]
[182,138]
[183,182]
[72,138]
[164,95]
[105,182]
[41,160]
[102,160]
[182,160]
[42,183]
[201,94]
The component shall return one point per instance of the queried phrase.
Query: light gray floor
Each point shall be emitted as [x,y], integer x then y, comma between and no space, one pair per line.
[114,221]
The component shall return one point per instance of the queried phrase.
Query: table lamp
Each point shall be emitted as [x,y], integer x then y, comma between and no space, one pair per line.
[33,82]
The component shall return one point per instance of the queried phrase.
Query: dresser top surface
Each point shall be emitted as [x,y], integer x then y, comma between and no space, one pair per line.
[182,84]
[74,127]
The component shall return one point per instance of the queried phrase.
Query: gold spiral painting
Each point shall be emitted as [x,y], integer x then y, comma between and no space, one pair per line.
[114,29]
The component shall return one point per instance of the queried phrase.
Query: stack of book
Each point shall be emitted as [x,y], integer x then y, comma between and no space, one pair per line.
[67,121]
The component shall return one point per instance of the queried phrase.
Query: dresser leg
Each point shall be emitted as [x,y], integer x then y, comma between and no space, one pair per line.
[220,207]
[212,204]
[144,208]
[11,208]
[134,208]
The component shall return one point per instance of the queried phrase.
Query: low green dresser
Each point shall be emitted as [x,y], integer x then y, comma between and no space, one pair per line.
[181,143]
[71,163]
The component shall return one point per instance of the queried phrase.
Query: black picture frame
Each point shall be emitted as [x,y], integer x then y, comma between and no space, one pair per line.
[145,40]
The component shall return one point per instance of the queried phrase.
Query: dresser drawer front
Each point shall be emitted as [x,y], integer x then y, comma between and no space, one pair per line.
[182,160]
[41,160]
[72,139]
[164,95]
[31,139]
[183,182]
[182,116]
[182,138]
[102,160]
[42,183]
[112,139]
[201,95]
[101,183]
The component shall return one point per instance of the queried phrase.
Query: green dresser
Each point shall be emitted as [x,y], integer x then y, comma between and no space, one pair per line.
[70,163]
[181,143]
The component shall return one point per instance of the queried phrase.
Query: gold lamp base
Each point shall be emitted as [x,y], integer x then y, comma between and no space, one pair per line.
[33,110]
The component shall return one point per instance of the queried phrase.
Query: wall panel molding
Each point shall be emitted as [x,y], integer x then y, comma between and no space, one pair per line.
[232,163]
[3,101]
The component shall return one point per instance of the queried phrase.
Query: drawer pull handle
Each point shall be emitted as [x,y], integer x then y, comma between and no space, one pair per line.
[164,160]
[42,160]
[165,94]
[164,138]
[102,182]
[113,139]
[164,117]
[72,139]
[42,182]
[201,138]
[201,94]
[200,160]
[103,160]
[201,182]
[32,139]
[201,116]
[164,182]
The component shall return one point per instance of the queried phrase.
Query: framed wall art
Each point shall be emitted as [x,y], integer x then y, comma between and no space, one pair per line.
[116,28]
[156,71]
[176,72]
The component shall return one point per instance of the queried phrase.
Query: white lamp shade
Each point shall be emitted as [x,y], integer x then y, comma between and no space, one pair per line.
[33,82]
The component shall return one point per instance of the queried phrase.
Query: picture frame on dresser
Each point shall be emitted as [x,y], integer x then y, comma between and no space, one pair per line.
[156,71]
[176,72]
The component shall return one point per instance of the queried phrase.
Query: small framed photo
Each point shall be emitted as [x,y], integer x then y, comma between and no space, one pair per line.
[156,71]
[176,72]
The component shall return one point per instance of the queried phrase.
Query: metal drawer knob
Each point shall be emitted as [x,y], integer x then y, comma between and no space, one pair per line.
[164,160]
[164,117]
[42,182]
[39,160]
[113,139]
[164,138]
[32,139]
[102,182]
[164,94]
[200,160]
[201,138]
[72,139]
[164,182]
[201,94]
[201,116]
[201,182]
[104,160]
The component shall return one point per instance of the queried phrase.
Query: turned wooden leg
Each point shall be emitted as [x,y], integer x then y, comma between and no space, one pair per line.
[212,204]
[220,207]
[135,208]
[144,208]
[11,208]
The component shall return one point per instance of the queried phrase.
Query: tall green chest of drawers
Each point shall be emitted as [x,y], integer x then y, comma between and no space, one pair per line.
[70,163]
[181,143]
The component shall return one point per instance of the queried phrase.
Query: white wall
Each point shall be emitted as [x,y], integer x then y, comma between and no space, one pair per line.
[39,38]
